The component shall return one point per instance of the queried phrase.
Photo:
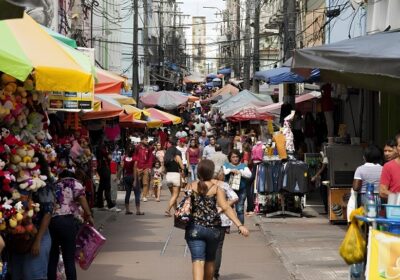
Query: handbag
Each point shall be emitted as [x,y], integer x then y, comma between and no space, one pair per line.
[234,181]
[88,243]
[183,213]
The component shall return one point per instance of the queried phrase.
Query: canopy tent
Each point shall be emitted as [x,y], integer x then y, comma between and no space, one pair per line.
[250,114]
[165,117]
[195,78]
[276,76]
[165,99]
[26,47]
[227,89]
[135,117]
[225,71]
[116,99]
[108,82]
[243,100]
[275,108]
[370,62]
[103,110]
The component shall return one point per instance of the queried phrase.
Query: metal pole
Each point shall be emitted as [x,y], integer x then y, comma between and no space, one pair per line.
[135,62]
[256,55]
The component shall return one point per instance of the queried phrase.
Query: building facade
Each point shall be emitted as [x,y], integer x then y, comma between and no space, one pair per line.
[199,44]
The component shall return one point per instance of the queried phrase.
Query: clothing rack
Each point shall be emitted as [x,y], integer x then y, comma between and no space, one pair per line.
[276,182]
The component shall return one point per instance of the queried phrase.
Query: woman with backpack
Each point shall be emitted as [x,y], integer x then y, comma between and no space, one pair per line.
[203,233]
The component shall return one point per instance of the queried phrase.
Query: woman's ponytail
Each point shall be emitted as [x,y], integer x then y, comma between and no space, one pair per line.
[205,172]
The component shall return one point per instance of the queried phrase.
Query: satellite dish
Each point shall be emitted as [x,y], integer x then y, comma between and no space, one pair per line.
[357,3]
[25,3]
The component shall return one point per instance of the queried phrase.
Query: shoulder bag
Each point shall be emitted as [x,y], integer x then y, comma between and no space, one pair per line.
[183,213]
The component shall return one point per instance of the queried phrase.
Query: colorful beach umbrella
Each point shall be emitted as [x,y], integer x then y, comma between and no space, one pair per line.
[117,99]
[108,82]
[135,117]
[165,117]
[68,41]
[165,99]
[26,47]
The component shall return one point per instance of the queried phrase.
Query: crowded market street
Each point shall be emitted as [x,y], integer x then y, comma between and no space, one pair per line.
[199,139]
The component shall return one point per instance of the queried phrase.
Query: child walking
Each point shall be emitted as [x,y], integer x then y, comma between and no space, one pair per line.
[157,179]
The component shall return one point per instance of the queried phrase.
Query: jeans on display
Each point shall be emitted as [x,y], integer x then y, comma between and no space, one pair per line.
[296,177]
[202,242]
[63,231]
[218,255]
[273,176]
[240,205]
[193,172]
[261,178]
[128,182]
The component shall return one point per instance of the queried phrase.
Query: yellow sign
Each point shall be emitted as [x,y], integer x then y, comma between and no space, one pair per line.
[384,257]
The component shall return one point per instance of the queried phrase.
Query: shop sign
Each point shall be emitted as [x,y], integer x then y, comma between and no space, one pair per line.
[384,256]
[71,101]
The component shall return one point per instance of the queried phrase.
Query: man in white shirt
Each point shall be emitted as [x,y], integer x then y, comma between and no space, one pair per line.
[210,149]
[198,126]
[208,128]
[181,133]
[219,158]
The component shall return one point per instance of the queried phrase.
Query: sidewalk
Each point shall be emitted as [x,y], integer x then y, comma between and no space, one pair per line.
[308,246]
[149,248]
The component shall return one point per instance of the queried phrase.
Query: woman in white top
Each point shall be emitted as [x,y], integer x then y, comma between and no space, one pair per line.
[368,173]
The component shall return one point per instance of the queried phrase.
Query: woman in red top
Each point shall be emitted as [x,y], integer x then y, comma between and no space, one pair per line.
[130,181]
[193,157]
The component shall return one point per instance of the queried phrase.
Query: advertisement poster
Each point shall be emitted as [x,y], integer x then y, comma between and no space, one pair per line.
[384,257]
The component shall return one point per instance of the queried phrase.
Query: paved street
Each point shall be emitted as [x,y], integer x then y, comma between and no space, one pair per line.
[308,246]
[148,247]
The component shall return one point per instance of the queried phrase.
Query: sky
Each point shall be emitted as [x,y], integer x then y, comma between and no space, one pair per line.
[195,8]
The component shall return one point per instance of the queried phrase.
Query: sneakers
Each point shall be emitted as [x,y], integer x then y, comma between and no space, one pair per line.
[114,209]
[144,199]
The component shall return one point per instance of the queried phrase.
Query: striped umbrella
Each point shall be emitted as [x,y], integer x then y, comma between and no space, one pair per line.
[26,47]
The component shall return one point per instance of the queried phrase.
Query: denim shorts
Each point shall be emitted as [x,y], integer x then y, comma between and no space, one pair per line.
[202,242]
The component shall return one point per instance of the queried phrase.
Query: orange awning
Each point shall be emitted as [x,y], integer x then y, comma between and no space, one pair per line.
[106,111]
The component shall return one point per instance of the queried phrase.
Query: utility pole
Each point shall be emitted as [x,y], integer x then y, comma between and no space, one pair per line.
[289,43]
[256,47]
[146,76]
[247,48]
[289,28]
[135,62]
[237,58]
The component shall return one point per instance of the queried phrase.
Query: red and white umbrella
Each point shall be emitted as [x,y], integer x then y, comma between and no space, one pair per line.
[165,99]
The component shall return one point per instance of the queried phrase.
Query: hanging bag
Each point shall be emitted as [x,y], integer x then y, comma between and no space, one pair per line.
[351,204]
[353,247]
[234,181]
[183,213]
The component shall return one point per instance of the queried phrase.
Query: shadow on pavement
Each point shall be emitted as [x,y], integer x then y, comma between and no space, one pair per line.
[235,276]
[106,272]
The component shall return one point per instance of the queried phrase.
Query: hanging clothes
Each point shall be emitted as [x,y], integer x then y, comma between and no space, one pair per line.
[295,177]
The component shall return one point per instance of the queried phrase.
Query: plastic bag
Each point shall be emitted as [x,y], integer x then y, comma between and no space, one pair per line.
[352,204]
[353,246]
[60,269]
[88,243]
